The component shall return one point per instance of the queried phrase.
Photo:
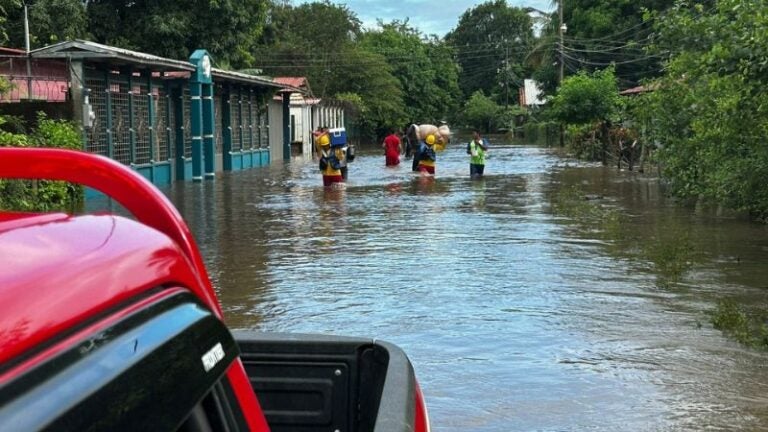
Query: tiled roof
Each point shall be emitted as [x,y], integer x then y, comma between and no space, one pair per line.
[295,84]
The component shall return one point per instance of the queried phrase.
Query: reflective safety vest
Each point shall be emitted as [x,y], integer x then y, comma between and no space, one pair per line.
[477,152]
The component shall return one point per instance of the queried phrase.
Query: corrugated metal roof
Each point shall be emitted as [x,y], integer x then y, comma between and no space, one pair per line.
[248,79]
[87,50]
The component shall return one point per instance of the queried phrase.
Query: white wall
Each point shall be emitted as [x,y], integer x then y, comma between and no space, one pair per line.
[276,131]
[304,127]
[532,92]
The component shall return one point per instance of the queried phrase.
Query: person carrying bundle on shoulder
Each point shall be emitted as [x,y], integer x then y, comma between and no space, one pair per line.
[426,155]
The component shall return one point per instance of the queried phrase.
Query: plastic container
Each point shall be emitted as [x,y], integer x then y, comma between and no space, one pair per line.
[338,137]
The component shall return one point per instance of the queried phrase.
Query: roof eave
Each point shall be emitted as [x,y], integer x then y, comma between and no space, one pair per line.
[95,52]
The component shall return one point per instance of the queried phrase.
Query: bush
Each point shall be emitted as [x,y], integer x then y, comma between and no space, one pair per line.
[480,112]
[583,141]
[542,133]
[709,112]
[34,195]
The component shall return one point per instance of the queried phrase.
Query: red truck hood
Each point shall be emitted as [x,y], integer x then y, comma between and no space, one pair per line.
[57,271]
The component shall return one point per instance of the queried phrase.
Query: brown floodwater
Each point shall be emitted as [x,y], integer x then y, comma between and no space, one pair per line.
[517,316]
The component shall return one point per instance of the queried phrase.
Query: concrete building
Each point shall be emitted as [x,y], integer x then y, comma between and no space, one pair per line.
[167,119]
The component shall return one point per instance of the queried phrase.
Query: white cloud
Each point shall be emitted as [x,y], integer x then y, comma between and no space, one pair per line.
[429,16]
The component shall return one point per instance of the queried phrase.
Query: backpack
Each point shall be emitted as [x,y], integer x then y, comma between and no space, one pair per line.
[351,153]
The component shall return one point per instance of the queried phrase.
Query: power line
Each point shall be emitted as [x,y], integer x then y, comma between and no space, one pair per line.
[636,60]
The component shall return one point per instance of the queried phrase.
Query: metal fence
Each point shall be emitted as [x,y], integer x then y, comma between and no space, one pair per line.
[136,110]
[187,124]
[237,121]
[32,79]
[164,121]
[96,135]
[263,125]
[132,124]
[218,105]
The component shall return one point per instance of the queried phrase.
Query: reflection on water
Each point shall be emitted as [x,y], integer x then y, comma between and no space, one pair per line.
[517,316]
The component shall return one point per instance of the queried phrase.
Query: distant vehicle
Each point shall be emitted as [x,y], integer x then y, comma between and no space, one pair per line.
[111,324]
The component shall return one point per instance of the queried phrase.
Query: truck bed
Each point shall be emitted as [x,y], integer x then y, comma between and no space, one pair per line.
[329,383]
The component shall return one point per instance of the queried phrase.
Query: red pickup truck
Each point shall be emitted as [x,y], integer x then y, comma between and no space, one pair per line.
[111,323]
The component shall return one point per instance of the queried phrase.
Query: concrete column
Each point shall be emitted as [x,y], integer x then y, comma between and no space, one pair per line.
[178,107]
[209,129]
[286,126]
[196,124]
[226,125]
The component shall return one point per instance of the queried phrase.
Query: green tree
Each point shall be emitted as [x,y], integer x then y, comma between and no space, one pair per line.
[610,32]
[599,33]
[588,104]
[424,68]
[709,113]
[367,80]
[344,66]
[491,40]
[446,79]
[289,45]
[50,21]
[6,7]
[481,112]
[229,30]
[587,98]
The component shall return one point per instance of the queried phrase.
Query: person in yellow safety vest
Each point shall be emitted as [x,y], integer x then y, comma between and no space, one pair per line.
[331,161]
[476,149]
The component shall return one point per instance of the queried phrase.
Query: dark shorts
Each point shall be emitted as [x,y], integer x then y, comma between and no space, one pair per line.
[476,170]
[331,179]
[427,169]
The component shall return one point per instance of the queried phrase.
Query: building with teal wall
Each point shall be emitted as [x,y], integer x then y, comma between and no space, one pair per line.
[169,119]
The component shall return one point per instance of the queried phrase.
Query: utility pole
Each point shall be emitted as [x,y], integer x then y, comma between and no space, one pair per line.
[26,48]
[562,61]
[506,76]
[562,30]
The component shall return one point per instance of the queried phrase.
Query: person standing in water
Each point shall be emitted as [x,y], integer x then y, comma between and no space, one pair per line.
[426,155]
[392,149]
[331,161]
[476,149]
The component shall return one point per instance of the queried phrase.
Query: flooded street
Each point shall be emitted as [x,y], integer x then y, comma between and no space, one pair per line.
[515,315]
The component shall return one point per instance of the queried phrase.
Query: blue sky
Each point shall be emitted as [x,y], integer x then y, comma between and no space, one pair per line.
[429,16]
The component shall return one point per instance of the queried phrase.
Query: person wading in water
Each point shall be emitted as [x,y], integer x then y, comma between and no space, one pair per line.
[392,149]
[476,149]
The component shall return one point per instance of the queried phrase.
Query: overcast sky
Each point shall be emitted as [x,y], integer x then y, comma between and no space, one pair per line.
[430,16]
